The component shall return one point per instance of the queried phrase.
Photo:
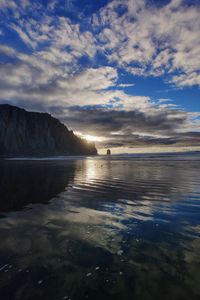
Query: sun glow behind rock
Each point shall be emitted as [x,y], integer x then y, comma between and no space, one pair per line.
[90,138]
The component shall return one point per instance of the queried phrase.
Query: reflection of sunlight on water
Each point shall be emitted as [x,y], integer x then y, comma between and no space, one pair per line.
[97,170]
[130,189]
[132,220]
[91,170]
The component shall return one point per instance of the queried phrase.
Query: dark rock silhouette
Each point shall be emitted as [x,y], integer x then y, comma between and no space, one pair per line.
[33,133]
[108,152]
[30,182]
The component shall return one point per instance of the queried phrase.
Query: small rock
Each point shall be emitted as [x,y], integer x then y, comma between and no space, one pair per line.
[88,274]
[40,281]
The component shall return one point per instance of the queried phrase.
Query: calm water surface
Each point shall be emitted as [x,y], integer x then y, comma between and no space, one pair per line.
[118,228]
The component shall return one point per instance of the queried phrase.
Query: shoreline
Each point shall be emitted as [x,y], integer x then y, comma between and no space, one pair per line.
[105,157]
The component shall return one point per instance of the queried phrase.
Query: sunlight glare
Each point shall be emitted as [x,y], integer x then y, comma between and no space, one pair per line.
[90,138]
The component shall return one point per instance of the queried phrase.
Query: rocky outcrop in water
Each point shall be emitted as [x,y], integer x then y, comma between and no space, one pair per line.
[32,133]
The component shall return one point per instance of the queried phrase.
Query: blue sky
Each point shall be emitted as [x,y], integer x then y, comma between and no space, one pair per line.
[124,72]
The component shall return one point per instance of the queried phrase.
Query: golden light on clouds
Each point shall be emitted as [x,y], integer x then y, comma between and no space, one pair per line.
[90,138]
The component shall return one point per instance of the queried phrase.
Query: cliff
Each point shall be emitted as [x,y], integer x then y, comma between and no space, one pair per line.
[32,133]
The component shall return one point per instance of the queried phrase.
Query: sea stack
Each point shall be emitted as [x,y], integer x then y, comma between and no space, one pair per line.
[108,152]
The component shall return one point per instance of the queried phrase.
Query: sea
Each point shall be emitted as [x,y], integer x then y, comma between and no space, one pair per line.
[121,227]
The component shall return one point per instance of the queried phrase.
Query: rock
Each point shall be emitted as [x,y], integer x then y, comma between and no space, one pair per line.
[108,152]
[24,133]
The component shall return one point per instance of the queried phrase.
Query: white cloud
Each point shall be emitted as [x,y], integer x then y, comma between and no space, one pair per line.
[164,100]
[91,79]
[159,40]
[14,76]
[4,4]
[187,79]
[124,85]
[144,41]
[24,36]
[8,51]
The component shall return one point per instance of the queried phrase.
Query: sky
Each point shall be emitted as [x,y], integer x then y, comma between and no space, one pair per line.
[123,73]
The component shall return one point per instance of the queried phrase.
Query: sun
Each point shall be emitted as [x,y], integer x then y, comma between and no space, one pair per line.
[90,138]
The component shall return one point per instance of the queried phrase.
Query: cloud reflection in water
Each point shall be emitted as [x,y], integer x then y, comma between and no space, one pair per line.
[132,225]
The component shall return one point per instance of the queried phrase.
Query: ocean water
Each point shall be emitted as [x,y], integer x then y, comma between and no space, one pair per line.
[120,228]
